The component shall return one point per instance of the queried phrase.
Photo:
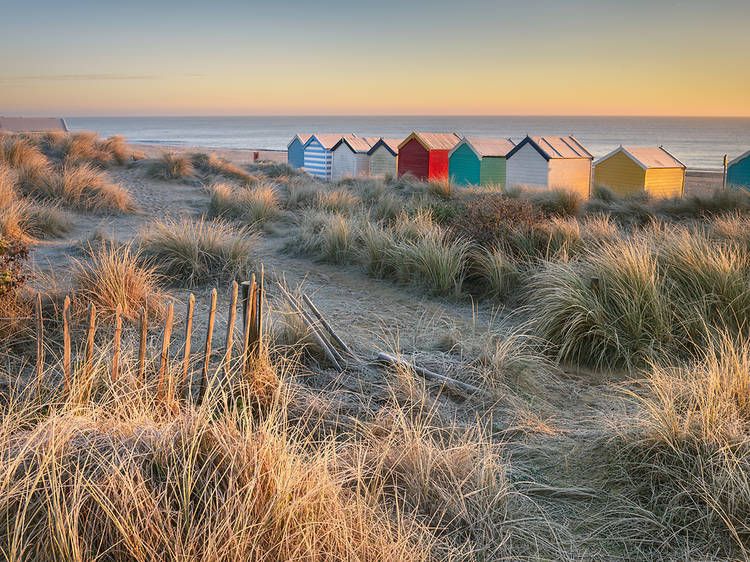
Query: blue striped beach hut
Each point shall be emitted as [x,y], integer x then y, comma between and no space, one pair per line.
[295,150]
[318,155]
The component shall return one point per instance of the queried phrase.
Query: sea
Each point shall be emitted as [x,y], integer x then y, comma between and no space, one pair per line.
[699,142]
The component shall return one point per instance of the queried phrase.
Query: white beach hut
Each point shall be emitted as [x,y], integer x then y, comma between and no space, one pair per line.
[350,157]
[550,163]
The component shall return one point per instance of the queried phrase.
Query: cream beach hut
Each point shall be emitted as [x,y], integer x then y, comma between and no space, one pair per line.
[550,163]
[384,157]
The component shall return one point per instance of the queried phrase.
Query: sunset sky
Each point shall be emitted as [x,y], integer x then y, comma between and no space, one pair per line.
[326,57]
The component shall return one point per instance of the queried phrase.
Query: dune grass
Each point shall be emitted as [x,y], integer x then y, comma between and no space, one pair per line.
[254,205]
[82,187]
[683,452]
[192,252]
[117,276]
[118,470]
[171,166]
[212,164]
[25,219]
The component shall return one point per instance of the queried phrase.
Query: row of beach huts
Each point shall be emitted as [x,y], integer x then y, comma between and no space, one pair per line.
[539,162]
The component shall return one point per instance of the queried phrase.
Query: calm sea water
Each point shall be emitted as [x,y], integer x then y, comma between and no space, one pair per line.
[699,142]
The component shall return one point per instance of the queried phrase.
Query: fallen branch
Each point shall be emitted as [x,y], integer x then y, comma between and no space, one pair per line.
[329,328]
[426,373]
[328,349]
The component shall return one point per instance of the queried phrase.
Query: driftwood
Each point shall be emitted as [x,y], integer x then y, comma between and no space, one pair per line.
[329,328]
[430,375]
[325,345]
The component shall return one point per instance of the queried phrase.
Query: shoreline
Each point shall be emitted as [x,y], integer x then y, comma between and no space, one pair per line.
[697,181]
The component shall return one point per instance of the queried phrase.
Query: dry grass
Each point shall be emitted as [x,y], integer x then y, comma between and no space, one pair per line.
[171,166]
[81,187]
[337,201]
[684,452]
[25,219]
[193,252]
[116,276]
[122,473]
[212,164]
[254,205]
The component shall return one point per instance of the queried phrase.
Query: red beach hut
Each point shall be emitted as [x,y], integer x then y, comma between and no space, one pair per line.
[425,155]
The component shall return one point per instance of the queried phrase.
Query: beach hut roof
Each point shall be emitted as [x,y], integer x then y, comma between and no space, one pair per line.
[32,124]
[327,141]
[390,144]
[433,141]
[647,157]
[357,144]
[740,157]
[554,147]
[302,137]
[487,147]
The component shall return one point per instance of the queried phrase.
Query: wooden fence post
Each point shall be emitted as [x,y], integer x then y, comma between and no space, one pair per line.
[39,338]
[90,338]
[259,314]
[230,331]
[66,345]
[142,348]
[164,362]
[188,338]
[116,351]
[207,351]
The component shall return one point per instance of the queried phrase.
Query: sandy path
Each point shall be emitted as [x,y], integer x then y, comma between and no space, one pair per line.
[362,308]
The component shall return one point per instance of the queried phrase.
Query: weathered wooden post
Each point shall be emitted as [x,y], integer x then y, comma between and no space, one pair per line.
[142,348]
[90,338]
[164,362]
[116,351]
[188,338]
[207,351]
[66,345]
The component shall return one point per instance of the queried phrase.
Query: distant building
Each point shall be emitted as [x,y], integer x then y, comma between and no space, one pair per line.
[318,156]
[32,124]
[630,170]
[350,157]
[477,161]
[425,155]
[550,163]
[295,150]
[384,157]
[738,172]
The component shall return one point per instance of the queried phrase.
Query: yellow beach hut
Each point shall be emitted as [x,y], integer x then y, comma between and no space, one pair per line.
[630,170]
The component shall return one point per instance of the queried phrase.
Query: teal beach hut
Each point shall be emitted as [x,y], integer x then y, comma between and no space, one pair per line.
[476,161]
[738,172]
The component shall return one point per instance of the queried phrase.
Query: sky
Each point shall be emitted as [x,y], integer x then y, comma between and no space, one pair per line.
[386,57]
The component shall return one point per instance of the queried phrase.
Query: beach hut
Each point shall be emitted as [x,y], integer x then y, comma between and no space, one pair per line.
[425,155]
[32,124]
[476,161]
[551,163]
[738,172]
[295,150]
[318,157]
[350,157]
[629,170]
[384,157]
